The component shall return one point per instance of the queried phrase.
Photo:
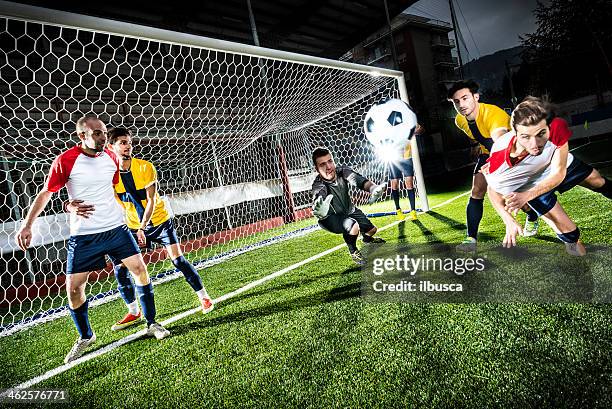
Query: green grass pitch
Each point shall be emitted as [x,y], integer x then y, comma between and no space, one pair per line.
[308,339]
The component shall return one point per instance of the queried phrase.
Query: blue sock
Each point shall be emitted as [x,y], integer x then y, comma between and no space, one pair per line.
[189,271]
[147,302]
[411,198]
[532,215]
[81,320]
[474,215]
[396,197]
[125,284]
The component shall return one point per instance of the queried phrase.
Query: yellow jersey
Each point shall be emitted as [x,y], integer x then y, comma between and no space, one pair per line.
[490,117]
[131,190]
[408,151]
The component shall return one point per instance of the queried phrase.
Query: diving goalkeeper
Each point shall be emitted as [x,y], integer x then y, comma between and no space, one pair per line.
[333,205]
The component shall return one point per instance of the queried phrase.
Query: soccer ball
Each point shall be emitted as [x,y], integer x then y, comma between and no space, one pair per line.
[390,124]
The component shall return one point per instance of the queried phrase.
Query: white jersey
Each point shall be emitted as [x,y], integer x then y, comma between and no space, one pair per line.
[504,178]
[91,179]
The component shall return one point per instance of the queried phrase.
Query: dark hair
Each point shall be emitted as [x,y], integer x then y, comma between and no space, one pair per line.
[115,133]
[531,111]
[457,85]
[319,152]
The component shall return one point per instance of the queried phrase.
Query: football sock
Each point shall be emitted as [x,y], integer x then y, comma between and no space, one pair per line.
[606,189]
[396,198]
[474,215]
[411,198]
[145,294]
[133,308]
[202,294]
[351,242]
[124,284]
[367,239]
[532,215]
[81,320]
[189,271]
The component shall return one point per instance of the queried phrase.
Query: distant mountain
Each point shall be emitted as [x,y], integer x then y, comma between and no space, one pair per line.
[489,71]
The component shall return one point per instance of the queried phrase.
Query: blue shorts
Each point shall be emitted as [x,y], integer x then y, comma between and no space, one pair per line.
[86,252]
[576,173]
[164,234]
[403,167]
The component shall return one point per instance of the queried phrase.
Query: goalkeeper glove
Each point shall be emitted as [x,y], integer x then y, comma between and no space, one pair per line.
[321,207]
[376,191]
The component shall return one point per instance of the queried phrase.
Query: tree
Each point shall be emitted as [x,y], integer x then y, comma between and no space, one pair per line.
[569,54]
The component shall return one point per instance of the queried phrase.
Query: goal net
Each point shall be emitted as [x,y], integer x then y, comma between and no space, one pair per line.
[229,127]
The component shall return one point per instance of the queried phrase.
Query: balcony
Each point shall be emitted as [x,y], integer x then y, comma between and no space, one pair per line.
[444,43]
[445,61]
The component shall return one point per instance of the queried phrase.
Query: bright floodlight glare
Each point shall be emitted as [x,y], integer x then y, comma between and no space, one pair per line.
[386,153]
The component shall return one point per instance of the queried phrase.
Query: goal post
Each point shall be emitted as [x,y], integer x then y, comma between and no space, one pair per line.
[229,127]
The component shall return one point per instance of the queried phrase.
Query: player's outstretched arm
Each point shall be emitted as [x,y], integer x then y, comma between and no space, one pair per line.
[24,235]
[376,191]
[516,200]
[513,229]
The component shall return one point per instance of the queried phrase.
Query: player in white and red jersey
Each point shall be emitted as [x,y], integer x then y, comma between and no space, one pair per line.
[89,172]
[529,164]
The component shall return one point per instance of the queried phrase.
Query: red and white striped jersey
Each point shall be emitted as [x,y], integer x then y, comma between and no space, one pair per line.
[91,179]
[505,178]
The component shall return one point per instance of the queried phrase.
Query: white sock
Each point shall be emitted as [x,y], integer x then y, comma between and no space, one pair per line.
[202,294]
[133,308]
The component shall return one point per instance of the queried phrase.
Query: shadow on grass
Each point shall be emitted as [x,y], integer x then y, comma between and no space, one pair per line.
[344,292]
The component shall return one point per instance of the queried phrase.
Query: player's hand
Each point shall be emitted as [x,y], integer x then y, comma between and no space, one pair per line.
[376,192]
[24,237]
[419,130]
[485,169]
[515,201]
[79,208]
[321,206]
[142,238]
[513,229]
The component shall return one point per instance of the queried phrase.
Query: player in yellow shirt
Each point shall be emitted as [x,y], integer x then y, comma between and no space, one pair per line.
[149,220]
[404,168]
[483,124]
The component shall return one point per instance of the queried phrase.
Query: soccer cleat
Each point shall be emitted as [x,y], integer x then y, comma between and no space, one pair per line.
[531,228]
[157,331]
[358,258]
[127,321]
[78,348]
[575,249]
[413,215]
[468,245]
[400,215]
[207,305]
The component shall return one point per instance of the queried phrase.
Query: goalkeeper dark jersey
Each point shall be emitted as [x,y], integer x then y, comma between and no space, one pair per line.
[341,203]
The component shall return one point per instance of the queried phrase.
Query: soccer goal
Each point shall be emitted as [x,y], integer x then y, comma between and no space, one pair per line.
[229,126]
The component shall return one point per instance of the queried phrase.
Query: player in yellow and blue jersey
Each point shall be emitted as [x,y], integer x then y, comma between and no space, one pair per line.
[149,220]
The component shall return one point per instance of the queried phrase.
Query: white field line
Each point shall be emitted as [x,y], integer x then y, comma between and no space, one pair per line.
[132,337]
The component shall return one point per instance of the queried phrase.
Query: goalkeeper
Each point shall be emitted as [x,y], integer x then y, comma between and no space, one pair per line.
[333,205]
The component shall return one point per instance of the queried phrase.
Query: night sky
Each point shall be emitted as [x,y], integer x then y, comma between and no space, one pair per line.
[495,25]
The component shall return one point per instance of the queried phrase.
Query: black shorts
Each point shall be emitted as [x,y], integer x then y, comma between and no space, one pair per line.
[576,173]
[342,223]
[482,159]
[403,167]
[164,234]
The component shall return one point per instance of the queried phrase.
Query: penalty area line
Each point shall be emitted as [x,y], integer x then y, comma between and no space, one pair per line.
[137,335]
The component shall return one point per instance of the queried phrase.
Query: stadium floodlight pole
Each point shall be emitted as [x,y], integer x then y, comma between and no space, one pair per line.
[416,159]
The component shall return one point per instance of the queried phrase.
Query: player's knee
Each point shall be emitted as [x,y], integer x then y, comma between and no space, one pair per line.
[409,183]
[394,184]
[570,237]
[372,231]
[478,192]
[595,180]
[140,270]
